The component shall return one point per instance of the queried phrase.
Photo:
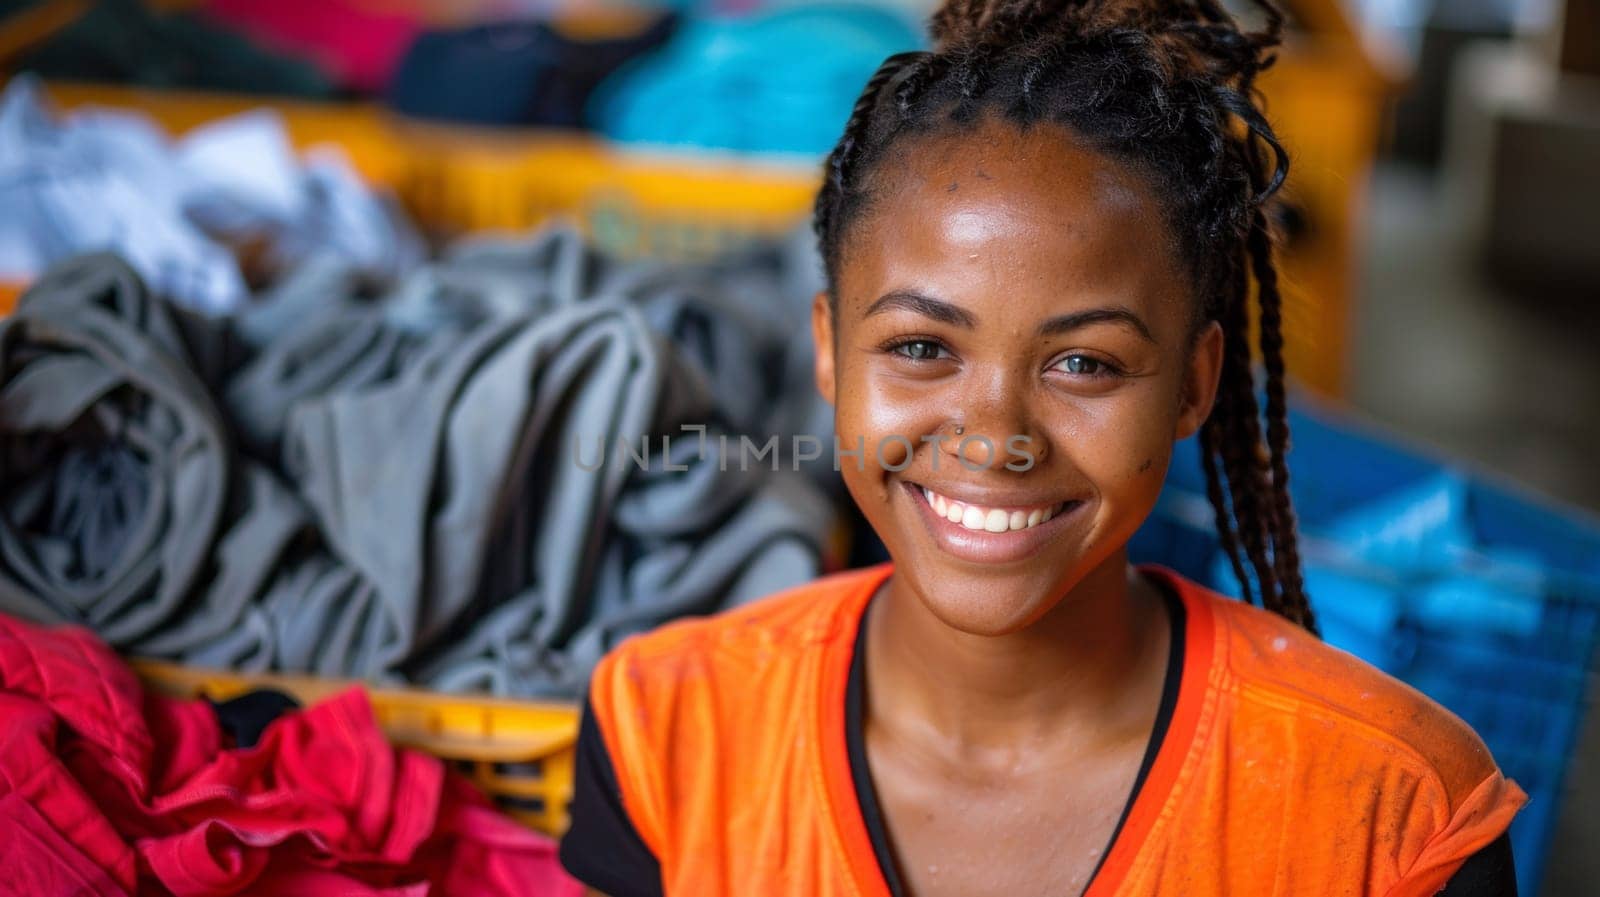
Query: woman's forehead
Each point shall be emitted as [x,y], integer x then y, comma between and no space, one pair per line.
[995,213]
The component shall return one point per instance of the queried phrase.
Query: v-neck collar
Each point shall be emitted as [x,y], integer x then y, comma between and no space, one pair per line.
[846,803]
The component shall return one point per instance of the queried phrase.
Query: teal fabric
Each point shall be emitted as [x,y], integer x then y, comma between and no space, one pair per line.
[782,81]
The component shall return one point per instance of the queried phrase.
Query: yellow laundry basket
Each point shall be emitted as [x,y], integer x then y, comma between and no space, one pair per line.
[519,752]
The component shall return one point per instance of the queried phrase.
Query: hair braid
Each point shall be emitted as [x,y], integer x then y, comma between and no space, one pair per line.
[1237,420]
[923,71]
[1285,548]
[1290,599]
[1227,533]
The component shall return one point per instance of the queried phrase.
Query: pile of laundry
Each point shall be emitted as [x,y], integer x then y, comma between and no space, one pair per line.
[109,791]
[478,476]
[184,212]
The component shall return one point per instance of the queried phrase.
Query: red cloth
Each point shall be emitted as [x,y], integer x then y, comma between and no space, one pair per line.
[108,792]
[359,44]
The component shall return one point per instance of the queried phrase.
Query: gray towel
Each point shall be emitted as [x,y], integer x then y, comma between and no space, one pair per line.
[396,484]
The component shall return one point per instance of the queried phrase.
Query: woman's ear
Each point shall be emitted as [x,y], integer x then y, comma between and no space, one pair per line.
[822,336]
[1200,380]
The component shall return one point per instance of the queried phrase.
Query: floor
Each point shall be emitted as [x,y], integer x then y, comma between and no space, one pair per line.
[1507,379]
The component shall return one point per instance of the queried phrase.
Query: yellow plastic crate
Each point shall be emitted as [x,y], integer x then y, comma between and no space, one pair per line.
[519,752]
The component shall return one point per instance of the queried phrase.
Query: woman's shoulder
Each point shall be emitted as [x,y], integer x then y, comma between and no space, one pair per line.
[1404,789]
[1277,670]
[747,644]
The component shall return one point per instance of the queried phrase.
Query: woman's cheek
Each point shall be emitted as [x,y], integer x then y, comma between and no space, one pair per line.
[888,412]
[1123,445]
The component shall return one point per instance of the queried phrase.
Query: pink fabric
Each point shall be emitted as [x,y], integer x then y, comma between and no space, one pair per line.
[107,791]
[356,43]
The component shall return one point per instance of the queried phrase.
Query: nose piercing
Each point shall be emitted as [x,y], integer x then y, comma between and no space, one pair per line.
[959,428]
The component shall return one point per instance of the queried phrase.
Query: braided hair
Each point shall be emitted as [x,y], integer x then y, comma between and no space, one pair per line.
[1168,88]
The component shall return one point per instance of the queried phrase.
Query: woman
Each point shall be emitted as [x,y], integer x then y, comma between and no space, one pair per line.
[1042,241]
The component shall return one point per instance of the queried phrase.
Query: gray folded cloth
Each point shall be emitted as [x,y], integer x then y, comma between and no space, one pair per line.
[399,483]
[114,462]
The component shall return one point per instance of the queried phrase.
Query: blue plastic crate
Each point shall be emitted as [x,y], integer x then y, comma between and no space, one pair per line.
[1181,534]
[1484,598]
[1525,697]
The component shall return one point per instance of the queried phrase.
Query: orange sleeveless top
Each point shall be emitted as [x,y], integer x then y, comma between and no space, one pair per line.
[1288,766]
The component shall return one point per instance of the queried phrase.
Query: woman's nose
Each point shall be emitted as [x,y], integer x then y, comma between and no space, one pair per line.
[995,426]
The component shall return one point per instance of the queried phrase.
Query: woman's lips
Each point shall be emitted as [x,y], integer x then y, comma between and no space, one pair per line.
[993,540]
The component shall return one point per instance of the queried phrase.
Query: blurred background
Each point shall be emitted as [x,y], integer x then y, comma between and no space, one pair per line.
[1441,256]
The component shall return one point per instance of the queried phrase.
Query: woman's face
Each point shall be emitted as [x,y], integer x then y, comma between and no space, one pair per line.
[1019,289]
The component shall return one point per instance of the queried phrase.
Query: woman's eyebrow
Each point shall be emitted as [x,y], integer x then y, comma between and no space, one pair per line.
[1067,323]
[927,306]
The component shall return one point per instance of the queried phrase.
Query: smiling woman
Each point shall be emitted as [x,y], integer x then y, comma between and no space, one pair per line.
[1044,236]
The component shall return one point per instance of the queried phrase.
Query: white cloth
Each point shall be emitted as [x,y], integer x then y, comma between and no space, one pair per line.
[104,180]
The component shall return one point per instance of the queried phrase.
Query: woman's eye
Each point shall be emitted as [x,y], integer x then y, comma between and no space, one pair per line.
[1086,366]
[919,349]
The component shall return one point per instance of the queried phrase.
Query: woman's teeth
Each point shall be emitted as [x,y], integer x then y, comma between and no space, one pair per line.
[992,520]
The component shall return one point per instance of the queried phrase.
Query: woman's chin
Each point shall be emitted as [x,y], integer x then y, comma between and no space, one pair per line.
[984,605]
[993,599]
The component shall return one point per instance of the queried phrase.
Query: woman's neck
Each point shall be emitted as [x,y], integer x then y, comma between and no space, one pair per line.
[1089,670]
